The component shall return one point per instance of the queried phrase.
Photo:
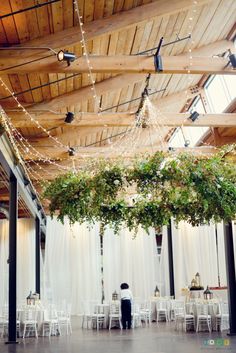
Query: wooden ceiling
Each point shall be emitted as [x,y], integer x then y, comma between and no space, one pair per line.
[48,89]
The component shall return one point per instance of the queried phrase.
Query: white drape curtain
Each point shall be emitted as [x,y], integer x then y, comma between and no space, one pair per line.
[72,268]
[194,251]
[25,259]
[4,246]
[132,259]
[221,254]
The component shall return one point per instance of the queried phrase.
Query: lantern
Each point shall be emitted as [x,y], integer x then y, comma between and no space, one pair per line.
[198,280]
[114,296]
[30,300]
[156,292]
[193,283]
[207,294]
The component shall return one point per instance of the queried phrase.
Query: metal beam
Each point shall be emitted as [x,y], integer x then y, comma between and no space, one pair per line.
[170,260]
[37,255]
[12,261]
[231,279]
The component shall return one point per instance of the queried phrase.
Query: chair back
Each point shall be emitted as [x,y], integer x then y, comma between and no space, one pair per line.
[30,315]
[202,309]
[162,304]
[224,308]
[99,309]
[114,309]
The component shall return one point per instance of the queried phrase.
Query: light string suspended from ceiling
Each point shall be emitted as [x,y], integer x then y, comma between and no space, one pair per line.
[15,148]
[26,148]
[85,53]
[29,116]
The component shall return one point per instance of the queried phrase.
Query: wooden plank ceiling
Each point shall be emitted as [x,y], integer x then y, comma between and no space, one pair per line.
[113,28]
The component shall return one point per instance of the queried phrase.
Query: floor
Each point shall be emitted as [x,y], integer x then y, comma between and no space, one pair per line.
[154,339]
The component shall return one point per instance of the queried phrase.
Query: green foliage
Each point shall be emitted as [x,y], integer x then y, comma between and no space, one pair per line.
[148,193]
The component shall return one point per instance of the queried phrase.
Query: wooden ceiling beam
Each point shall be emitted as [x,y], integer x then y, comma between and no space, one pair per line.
[124,19]
[132,64]
[108,85]
[82,153]
[18,64]
[123,119]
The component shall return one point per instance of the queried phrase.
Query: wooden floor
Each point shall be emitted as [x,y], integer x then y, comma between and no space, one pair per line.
[161,339]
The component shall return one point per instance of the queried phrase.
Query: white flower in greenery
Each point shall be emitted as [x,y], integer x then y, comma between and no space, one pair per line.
[116,182]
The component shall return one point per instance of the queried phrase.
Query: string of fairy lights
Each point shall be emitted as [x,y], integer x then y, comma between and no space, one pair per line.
[20,143]
[126,142]
[86,55]
[158,122]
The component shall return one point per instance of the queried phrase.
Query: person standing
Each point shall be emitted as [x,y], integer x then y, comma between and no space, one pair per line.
[126,298]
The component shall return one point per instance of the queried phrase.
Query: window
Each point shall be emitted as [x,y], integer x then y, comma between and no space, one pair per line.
[220,91]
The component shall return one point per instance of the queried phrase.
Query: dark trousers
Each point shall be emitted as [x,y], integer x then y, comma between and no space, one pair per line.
[126,313]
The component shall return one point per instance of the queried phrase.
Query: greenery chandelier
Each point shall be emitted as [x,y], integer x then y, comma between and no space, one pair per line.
[196,189]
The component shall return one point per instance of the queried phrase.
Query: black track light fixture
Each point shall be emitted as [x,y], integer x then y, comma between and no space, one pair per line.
[71,151]
[26,181]
[64,55]
[69,117]
[33,196]
[232,59]
[186,143]
[194,115]
[39,207]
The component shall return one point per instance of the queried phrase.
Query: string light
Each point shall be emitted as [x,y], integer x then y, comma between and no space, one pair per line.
[85,53]
[25,146]
[28,115]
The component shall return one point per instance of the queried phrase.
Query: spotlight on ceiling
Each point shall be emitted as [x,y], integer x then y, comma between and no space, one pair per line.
[26,181]
[186,143]
[232,59]
[33,196]
[39,207]
[194,115]
[69,117]
[64,55]
[71,151]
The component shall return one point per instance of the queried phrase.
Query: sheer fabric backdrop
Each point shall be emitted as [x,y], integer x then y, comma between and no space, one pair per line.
[25,259]
[4,246]
[194,251]
[132,259]
[72,269]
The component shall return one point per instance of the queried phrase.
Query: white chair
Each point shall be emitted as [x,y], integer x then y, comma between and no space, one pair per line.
[176,308]
[162,308]
[88,311]
[98,317]
[203,318]
[64,319]
[51,322]
[115,315]
[135,314]
[222,319]
[29,320]
[145,312]
[183,318]
[4,321]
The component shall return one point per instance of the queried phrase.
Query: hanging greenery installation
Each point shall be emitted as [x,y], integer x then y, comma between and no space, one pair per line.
[196,189]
